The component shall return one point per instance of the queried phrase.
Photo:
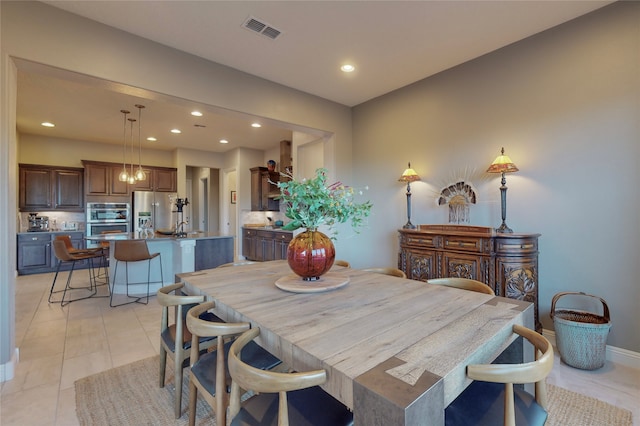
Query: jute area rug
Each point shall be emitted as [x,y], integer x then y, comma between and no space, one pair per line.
[130,395]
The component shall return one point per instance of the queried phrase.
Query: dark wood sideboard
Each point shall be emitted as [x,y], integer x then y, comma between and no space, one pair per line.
[508,263]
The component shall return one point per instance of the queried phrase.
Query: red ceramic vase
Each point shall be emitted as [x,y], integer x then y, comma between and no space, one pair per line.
[311,254]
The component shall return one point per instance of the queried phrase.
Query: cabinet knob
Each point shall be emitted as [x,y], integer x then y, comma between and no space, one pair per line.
[34,238]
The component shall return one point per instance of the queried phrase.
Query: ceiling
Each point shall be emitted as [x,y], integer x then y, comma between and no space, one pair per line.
[391,44]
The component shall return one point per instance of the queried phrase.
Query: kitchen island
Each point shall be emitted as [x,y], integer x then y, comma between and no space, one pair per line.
[196,251]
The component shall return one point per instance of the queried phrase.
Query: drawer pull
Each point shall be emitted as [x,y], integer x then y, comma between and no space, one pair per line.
[34,238]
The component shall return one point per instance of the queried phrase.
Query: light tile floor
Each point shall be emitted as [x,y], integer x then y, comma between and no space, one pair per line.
[60,345]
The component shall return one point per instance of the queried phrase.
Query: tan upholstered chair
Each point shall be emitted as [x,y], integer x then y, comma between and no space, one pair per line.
[492,399]
[281,398]
[463,283]
[63,256]
[394,272]
[171,296]
[204,376]
[129,251]
[341,262]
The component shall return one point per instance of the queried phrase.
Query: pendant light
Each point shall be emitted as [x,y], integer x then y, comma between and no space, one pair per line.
[140,174]
[124,176]
[131,178]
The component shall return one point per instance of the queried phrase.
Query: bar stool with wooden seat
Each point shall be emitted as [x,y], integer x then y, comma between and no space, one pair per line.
[63,255]
[463,283]
[131,251]
[492,399]
[209,374]
[281,398]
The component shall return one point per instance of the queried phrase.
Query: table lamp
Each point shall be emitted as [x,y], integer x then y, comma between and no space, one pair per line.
[409,175]
[503,164]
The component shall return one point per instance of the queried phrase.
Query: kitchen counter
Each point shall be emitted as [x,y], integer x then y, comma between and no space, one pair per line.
[157,236]
[267,228]
[196,251]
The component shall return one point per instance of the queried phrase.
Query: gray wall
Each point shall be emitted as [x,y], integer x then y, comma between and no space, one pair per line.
[565,104]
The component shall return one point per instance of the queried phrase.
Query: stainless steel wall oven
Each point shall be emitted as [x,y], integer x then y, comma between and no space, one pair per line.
[107,217]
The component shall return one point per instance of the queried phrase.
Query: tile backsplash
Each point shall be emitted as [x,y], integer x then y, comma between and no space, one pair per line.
[58,221]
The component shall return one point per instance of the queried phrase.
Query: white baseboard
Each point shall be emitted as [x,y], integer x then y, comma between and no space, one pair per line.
[613,354]
[7,371]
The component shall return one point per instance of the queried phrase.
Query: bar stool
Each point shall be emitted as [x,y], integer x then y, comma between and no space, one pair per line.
[98,253]
[63,255]
[130,251]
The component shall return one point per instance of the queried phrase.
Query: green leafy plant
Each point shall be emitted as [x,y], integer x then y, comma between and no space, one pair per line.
[311,203]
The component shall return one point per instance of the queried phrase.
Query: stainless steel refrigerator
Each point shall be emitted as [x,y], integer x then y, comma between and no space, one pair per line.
[153,209]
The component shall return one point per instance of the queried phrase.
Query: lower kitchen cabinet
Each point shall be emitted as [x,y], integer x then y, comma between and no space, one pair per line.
[264,245]
[213,252]
[36,256]
[508,263]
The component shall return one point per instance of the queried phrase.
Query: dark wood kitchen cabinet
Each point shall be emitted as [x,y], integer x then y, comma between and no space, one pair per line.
[103,179]
[265,244]
[508,263]
[263,192]
[49,188]
[36,256]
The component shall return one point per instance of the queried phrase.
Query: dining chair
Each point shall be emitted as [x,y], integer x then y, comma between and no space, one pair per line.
[281,398]
[205,377]
[492,399]
[341,262]
[131,251]
[62,255]
[394,272]
[463,283]
[172,296]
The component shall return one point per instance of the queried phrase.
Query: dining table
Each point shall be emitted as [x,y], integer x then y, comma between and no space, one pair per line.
[395,350]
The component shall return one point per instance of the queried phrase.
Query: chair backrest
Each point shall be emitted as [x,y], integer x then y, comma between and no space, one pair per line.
[67,241]
[463,283]
[202,328]
[177,300]
[530,372]
[131,250]
[344,263]
[394,272]
[247,377]
[61,252]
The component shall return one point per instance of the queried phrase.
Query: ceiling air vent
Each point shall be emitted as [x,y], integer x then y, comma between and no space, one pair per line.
[261,27]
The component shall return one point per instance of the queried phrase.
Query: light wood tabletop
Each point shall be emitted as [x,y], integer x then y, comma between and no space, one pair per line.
[395,350]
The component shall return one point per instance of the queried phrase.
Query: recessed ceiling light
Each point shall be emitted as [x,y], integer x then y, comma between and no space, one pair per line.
[176,131]
[151,139]
[348,68]
[224,141]
[256,125]
[47,124]
[196,113]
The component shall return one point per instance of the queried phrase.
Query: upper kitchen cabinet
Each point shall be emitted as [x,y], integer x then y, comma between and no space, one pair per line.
[263,191]
[103,179]
[50,188]
[165,179]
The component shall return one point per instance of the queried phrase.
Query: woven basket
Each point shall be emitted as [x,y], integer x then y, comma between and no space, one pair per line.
[581,336]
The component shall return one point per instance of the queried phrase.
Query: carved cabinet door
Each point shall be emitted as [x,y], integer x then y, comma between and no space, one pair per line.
[421,265]
[462,265]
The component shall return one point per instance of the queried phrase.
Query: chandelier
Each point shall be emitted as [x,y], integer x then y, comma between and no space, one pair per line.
[127,174]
